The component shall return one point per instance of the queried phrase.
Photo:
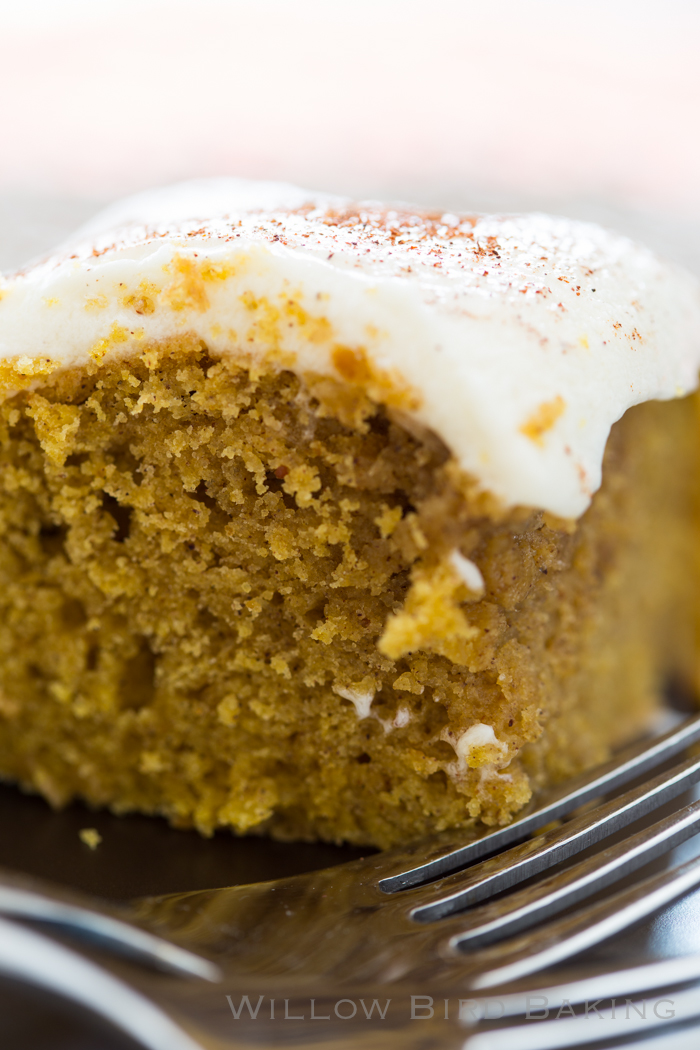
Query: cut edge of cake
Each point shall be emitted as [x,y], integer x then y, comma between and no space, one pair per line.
[248,582]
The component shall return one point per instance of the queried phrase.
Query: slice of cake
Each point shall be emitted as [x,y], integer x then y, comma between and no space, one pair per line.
[302,527]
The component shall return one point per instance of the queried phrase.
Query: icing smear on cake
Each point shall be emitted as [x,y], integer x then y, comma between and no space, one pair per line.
[518,339]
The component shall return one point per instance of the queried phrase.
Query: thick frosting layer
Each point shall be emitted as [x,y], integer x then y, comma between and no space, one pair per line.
[518,339]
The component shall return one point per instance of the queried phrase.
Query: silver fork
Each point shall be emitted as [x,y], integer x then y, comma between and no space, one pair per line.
[423,917]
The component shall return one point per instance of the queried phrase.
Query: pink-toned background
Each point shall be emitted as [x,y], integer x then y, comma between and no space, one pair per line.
[589,106]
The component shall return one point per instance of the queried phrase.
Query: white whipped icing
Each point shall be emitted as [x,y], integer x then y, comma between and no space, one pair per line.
[469,572]
[478,737]
[523,337]
[401,718]
[361,698]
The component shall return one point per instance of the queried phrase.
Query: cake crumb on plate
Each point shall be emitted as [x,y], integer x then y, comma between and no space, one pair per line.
[91,837]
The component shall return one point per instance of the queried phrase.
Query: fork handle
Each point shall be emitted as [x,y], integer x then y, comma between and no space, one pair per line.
[89,920]
[27,955]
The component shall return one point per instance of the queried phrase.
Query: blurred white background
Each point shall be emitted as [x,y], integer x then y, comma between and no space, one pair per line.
[585,106]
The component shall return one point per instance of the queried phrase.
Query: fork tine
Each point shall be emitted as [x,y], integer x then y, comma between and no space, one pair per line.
[628,763]
[547,897]
[548,945]
[530,858]
[575,988]
[559,1032]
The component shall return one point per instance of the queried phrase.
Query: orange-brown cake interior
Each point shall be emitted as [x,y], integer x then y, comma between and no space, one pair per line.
[235,596]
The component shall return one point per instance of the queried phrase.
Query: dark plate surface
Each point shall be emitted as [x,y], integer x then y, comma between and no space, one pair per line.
[140,856]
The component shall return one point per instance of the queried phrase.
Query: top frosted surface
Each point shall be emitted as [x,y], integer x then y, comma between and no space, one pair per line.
[519,339]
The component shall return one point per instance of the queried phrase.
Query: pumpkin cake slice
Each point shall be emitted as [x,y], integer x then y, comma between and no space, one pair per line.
[340,520]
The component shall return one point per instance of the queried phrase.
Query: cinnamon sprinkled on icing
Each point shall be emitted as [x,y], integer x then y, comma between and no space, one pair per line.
[518,339]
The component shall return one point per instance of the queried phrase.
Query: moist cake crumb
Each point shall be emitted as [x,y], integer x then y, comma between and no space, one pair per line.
[302,526]
[222,603]
[91,837]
